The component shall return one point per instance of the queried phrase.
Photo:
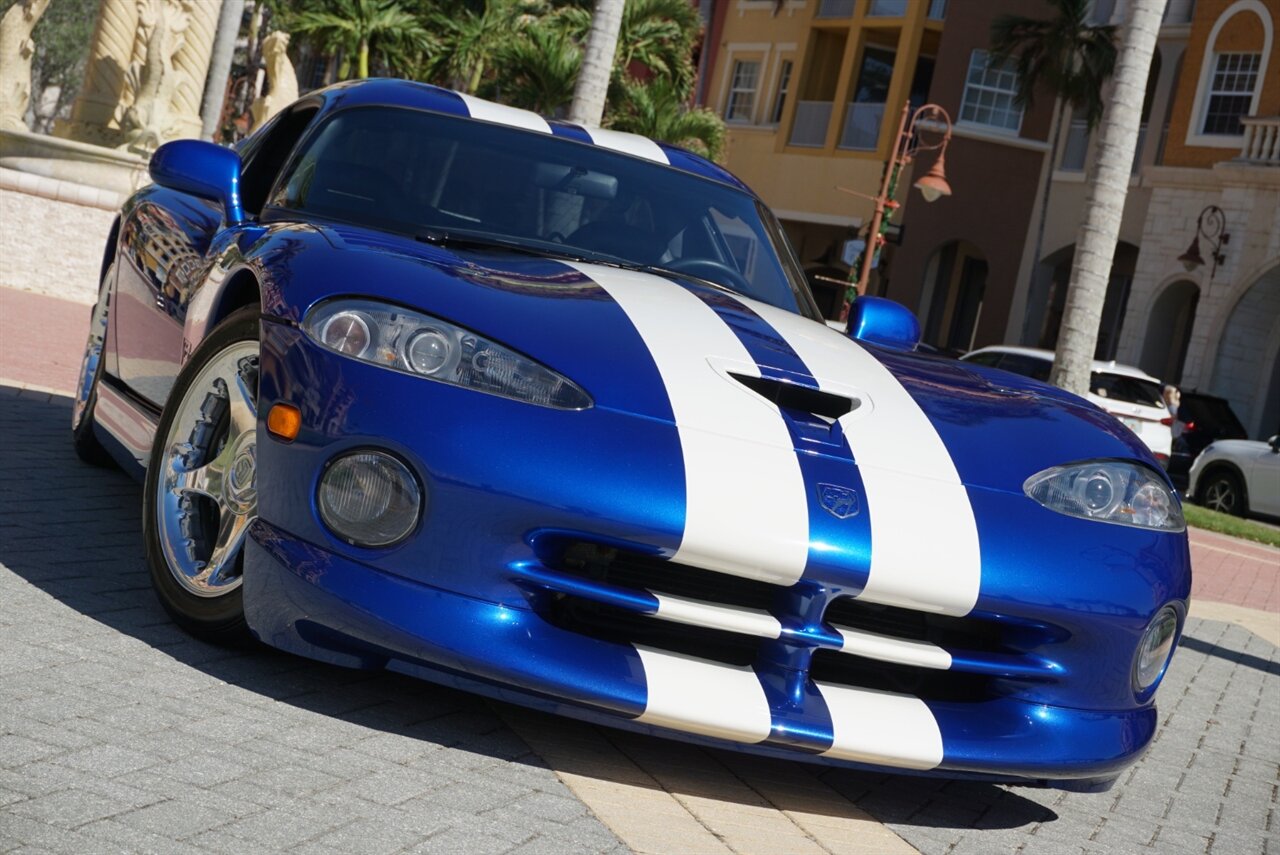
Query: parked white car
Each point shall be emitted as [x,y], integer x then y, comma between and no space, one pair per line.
[1238,476]
[1128,393]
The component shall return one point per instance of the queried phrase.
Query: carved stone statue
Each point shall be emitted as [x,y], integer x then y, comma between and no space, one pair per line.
[16,50]
[162,25]
[281,78]
[120,52]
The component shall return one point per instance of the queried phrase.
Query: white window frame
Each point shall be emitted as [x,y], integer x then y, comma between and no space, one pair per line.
[782,87]
[736,90]
[964,97]
[1210,93]
[1210,64]
[757,52]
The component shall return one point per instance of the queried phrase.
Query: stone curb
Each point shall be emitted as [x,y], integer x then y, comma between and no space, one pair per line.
[59,190]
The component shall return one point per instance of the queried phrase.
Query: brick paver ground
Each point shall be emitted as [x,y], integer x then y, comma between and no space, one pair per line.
[118,732]
[1230,570]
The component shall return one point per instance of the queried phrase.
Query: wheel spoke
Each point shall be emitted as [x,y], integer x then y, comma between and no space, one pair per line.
[242,401]
[231,533]
[205,480]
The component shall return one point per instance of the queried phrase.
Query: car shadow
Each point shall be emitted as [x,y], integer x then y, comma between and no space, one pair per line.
[73,531]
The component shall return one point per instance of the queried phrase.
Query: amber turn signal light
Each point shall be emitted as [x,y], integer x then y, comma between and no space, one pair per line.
[284,421]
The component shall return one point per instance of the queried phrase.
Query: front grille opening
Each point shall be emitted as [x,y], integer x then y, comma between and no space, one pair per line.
[638,571]
[952,633]
[793,396]
[831,666]
[607,623]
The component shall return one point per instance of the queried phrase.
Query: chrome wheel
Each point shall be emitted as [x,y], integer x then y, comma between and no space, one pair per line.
[92,356]
[207,487]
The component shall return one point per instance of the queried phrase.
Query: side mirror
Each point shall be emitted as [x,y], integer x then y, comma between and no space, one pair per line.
[1274,442]
[879,321]
[202,169]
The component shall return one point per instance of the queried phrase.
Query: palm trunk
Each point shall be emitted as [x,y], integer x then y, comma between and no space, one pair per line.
[477,73]
[1104,205]
[224,47]
[597,63]
[362,63]
[1044,207]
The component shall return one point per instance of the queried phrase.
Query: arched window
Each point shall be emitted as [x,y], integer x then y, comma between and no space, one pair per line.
[1231,74]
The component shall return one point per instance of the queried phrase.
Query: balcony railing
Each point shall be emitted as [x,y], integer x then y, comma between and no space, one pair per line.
[1261,140]
[811,122]
[862,127]
[835,8]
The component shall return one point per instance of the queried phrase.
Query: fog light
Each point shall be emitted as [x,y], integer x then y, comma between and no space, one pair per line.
[369,498]
[1155,649]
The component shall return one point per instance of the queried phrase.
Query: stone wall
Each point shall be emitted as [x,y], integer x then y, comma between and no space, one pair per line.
[1250,199]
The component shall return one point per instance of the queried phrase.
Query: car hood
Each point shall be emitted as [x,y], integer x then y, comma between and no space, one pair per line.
[713,363]
[1237,446]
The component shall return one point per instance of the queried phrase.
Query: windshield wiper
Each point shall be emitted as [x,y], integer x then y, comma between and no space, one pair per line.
[440,237]
[466,240]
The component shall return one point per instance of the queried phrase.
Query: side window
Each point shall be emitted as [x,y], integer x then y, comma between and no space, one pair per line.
[263,163]
[1027,366]
[987,359]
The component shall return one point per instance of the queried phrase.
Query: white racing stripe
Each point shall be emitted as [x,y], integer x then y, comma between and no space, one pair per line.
[871,726]
[632,144]
[715,616]
[746,508]
[487,111]
[703,697]
[924,540]
[886,648]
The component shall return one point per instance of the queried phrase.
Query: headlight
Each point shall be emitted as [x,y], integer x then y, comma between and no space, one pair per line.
[1108,491]
[418,344]
[369,499]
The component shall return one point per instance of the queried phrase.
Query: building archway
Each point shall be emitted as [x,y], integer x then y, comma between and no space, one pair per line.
[955,282]
[1246,370]
[1052,301]
[1168,336]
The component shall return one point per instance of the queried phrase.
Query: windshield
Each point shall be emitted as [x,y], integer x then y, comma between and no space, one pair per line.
[1129,390]
[443,177]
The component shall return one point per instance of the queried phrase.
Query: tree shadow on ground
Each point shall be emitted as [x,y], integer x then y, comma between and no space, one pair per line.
[73,531]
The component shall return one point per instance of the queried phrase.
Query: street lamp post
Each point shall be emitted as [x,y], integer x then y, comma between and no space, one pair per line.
[932,185]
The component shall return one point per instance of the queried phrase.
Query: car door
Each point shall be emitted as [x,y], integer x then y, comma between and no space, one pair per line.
[1264,480]
[164,249]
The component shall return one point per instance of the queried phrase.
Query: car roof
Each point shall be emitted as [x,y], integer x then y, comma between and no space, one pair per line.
[424,96]
[1099,365]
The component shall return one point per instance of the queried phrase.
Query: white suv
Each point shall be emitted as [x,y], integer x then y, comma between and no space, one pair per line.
[1128,393]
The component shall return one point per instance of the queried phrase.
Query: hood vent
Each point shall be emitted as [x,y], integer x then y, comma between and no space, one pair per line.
[792,396]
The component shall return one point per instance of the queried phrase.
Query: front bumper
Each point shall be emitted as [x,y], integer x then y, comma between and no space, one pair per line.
[307,600]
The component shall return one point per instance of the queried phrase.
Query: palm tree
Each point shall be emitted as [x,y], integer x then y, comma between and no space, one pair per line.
[471,37]
[359,26]
[659,35]
[1064,55]
[592,87]
[539,68]
[658,110]
[1104,200]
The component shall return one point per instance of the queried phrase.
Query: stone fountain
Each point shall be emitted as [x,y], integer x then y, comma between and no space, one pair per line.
[142,86]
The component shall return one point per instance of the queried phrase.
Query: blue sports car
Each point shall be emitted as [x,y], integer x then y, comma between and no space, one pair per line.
[422,382]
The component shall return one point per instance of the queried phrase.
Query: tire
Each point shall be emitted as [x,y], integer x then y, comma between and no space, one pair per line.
[200,495]
[1223,491]
[85,442]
